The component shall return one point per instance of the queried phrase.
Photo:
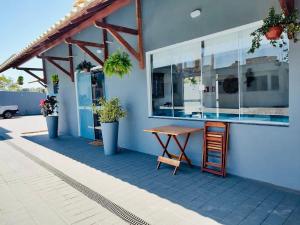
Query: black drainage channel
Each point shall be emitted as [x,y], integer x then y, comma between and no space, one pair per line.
[95,196]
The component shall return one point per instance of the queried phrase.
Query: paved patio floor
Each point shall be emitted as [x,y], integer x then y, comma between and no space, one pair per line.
[29,194]
[131,181]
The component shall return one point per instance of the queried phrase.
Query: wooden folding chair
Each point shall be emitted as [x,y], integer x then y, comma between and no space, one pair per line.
[215,146]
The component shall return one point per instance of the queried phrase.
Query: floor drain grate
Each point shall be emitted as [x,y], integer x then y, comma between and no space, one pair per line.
[95,196]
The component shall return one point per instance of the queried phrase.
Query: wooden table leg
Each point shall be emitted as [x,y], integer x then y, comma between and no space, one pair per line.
[182,149]
[165,147]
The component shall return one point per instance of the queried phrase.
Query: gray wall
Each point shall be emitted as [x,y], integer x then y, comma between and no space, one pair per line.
[28,102]
[266,153]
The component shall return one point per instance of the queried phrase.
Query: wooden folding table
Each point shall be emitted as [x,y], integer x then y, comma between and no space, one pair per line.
[173,132]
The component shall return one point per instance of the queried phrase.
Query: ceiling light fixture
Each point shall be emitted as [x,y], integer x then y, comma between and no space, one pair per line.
[196,13]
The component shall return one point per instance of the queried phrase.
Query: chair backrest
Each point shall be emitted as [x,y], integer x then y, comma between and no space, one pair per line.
[212,128]
[216,126]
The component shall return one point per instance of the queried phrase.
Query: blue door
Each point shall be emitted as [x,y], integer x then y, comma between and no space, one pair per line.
[85,102]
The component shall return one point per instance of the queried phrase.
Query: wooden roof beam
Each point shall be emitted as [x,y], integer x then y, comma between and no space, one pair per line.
[138,11]
[85,43]
[97,7]
[123,42]
[91,11]
[37,81]
[54,58]
[42,84]
[114,31]
[91,54]
[114,6]
[70,51]
[116,28]
[28,70]
[82,45]
[287,6]
[104,39]
[58,66]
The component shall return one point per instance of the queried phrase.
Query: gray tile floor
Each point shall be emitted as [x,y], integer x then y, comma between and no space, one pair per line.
[31,195]
[232,200]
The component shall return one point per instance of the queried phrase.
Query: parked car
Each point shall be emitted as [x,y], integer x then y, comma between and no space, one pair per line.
[8,111]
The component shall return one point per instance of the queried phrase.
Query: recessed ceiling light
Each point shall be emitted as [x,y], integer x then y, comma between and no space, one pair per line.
[196,13]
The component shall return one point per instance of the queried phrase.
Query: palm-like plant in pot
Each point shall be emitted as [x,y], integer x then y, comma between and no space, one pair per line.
[55,82]
[110,112]
[49,109]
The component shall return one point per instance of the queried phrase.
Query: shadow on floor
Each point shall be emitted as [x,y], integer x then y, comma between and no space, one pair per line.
[4,133]
[230,200]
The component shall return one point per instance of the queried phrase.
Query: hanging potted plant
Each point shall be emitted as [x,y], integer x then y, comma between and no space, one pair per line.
[20,80]
[118,64]
[85,66]
[273,27]
[110,112]
[49,109]
[55,82]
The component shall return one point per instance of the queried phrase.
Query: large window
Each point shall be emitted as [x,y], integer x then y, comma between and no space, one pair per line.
[215,78]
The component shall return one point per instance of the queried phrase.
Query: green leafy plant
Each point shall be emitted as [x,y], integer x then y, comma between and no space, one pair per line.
[292,25]
[287,24]
[118,64]
[191,80]
[85,66]
[110,111]
[49,106]
[20,80]
[7,84]
[54,78]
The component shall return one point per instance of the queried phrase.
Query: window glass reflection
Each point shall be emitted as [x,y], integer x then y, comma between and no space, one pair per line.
[217,79]
[186,89]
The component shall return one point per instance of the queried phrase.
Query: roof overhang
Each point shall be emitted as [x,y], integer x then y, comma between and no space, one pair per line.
[65,28]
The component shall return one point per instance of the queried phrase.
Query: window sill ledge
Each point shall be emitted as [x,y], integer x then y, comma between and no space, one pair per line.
[246,122]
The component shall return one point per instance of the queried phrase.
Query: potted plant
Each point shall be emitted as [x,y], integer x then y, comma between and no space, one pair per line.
[84,66]
[55,82]
[118,64]
[110,112]
[20,80]
[49,110]
[273,27]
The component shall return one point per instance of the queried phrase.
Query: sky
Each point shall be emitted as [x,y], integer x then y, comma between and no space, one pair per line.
[21,22]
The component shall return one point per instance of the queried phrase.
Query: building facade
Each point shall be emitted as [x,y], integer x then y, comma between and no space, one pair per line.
[197,70]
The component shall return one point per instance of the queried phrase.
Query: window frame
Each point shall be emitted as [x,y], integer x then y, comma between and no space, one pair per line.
[184,43]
